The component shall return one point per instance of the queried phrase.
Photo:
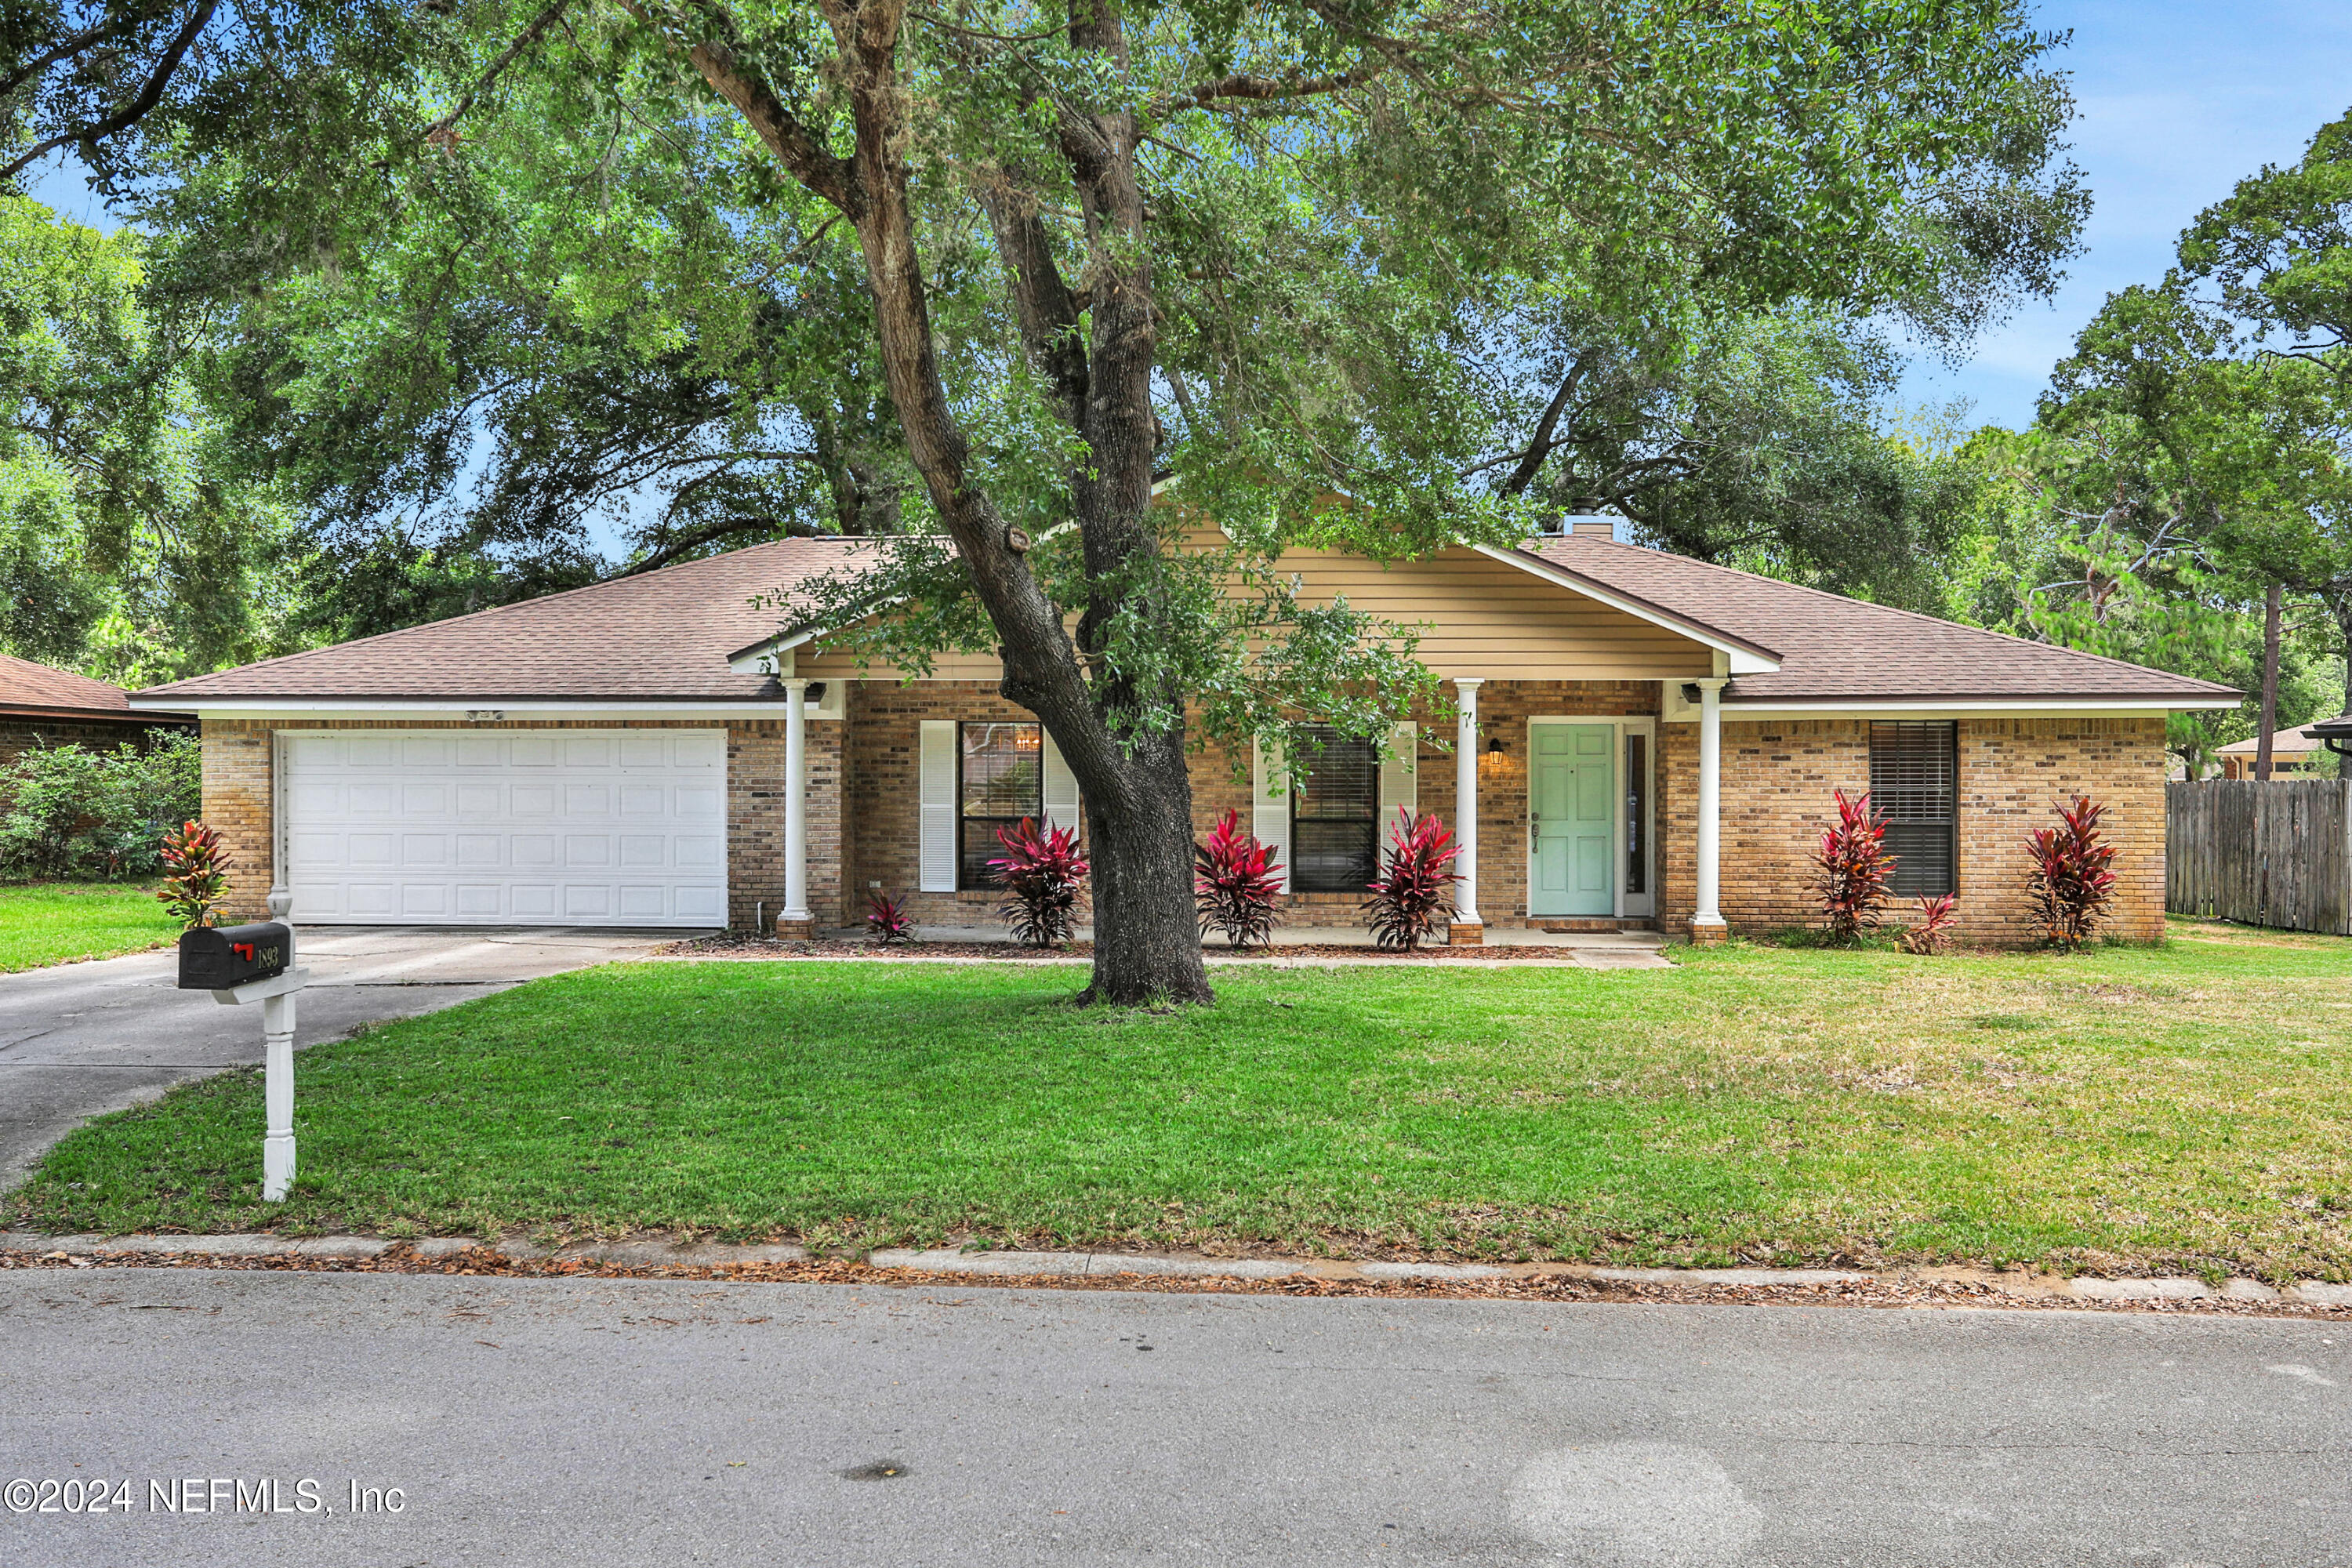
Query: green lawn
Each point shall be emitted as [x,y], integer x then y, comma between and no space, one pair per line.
[57,922]
[2189,1105]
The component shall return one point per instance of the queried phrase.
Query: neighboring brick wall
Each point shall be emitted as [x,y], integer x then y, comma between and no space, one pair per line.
[21,733]
[1777,780]
[237,801]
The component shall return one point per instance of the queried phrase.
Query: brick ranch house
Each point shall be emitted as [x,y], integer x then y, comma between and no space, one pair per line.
[1642,738]
[43,707]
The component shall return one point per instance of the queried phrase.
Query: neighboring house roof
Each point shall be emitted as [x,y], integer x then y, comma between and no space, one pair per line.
[27,688]
[2282,742]
[663,634]
[1834,647]
[668,635]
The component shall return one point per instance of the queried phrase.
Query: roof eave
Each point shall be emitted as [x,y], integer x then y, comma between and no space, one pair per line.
[1744,657]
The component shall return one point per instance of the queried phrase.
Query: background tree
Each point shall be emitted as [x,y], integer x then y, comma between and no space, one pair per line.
[126,549]
[1755,439]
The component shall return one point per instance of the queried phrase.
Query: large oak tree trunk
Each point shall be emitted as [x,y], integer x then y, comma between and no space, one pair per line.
[1137,788]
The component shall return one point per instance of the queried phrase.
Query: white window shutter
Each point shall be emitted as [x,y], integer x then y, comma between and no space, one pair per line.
[1061,790]
[937,815]
[1271,812]
[1397,779]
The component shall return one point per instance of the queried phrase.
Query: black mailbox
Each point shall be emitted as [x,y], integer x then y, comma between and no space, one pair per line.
[214,958]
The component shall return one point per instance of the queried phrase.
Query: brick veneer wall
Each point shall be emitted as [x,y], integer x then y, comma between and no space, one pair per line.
[884,792]
[1778,778]
[237,801]
[884,788]
[21,733]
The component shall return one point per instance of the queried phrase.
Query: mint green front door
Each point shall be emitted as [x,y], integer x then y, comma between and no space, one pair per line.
[1573,819]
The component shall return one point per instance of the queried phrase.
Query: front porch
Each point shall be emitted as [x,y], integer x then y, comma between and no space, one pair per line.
[1568,797]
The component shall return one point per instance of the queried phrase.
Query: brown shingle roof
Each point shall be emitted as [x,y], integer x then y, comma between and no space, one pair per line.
[2292,740]
[663,634]
[24,684]
[669,634]
[1834,647]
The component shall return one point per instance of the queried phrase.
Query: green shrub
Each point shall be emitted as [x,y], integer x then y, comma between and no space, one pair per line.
[70,813]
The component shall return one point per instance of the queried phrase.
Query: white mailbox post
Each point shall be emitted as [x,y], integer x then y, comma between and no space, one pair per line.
[276,996]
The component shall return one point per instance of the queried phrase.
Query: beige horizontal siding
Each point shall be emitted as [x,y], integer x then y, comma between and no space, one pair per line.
[1476,616]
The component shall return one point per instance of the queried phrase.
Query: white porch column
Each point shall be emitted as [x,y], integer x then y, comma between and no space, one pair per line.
[795,922]
[1706,921]
[1467,924]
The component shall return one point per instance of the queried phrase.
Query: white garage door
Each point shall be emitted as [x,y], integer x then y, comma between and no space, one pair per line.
[622,827]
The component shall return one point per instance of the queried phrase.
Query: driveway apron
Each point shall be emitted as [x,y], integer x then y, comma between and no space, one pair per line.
[80,1039]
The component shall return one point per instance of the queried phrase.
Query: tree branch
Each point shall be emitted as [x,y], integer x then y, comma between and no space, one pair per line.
[1539,448]
[540,24]
[1260,88]
[65,50]
[1048,311]
[136,110]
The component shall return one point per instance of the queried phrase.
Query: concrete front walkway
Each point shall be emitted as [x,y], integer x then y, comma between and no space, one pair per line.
[1583,949]
[78,1039]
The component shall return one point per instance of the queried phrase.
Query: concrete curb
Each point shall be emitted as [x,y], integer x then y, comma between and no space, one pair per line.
[1215,961]
[2017,1283]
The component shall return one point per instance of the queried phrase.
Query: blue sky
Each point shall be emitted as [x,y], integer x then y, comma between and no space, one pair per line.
[2178,101]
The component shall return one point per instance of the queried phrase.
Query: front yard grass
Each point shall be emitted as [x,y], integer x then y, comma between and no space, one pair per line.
[2189,1106]
[57,922]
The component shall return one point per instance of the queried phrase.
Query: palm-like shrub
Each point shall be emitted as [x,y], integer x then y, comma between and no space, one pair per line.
[1235,881]
[1415,889]
[195,874]
[1852,868]
[1042,875]
[1932,932]
[887,920]
[2071,883]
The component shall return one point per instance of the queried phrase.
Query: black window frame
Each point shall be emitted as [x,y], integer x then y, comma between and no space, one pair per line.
[976,842]
[1313,759]
[1915,781]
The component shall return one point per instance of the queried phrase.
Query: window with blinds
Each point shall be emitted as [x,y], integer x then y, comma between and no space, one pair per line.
[1334,814]
[1915,781]
[1002,783]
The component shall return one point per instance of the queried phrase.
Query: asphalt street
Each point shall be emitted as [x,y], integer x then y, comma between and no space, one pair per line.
[591,1422]
[78,1039]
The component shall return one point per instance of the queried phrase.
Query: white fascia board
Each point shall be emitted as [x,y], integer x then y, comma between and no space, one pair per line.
[433,708]
[1678,712]
[1738,658]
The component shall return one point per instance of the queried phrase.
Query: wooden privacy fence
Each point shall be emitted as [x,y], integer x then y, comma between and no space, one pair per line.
[2276,854]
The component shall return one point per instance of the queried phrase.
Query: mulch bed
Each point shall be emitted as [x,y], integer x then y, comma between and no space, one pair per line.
[737,944]
[486,1262]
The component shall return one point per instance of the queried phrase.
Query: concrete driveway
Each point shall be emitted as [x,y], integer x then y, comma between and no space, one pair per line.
[78,1039]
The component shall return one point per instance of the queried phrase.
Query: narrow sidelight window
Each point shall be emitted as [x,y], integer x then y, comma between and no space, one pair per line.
[1637,813]
[1914,780]
[1334,813]
[1003,780]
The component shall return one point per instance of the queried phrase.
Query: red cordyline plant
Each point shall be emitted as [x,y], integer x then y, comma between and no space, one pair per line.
[1852,868]
[1415,888]
[2070,883]
[887,920]
[1932,932]
[1235,881]
[1042,875]
[195,875]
